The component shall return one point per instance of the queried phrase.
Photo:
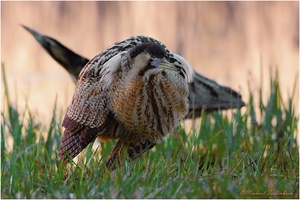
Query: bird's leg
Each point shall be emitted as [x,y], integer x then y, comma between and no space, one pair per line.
[115,155]
[137,149]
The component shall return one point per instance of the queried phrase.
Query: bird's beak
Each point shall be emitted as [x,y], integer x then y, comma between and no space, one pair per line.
[168,66]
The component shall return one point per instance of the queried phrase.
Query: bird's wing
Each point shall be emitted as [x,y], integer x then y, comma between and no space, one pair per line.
[88,114]
[90,102]
[204,93]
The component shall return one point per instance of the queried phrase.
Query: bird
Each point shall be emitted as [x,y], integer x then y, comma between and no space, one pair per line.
[100,77]
[135,91]
[205,94]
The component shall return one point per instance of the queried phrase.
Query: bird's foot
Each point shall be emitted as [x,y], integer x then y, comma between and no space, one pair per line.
[138,148]
[115,156]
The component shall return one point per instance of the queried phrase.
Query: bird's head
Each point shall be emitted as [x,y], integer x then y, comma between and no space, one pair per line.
[152,58]
[145,60]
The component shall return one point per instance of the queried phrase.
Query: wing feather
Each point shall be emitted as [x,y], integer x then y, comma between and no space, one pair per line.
[89,114]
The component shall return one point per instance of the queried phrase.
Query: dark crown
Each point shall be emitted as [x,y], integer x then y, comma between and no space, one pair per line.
[152,48]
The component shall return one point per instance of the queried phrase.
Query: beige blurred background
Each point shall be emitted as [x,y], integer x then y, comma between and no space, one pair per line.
[226,41]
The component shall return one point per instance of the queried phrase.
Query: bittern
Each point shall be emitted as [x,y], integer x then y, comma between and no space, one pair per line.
[204,93]
[136,91]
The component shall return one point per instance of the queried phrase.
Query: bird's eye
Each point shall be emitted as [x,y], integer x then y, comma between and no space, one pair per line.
[153,63]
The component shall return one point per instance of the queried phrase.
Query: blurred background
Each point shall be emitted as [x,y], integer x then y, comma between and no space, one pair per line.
[229,42]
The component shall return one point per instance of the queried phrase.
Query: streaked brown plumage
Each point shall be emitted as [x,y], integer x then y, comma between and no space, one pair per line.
[136,91]
[204,94]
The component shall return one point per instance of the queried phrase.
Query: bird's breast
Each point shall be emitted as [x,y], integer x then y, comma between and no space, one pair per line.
[150,107]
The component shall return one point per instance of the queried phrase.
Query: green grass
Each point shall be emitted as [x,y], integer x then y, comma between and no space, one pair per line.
[233,156]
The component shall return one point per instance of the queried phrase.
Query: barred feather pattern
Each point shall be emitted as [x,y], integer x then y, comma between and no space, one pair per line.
[121,94]
[75,138]
[150,109]
[94,66]
[89,103]
[98,73]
